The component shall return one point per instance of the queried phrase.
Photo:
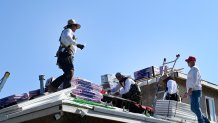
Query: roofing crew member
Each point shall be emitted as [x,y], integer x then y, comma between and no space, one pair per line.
[65,55]
[127,88]
[194,88]
[171,89]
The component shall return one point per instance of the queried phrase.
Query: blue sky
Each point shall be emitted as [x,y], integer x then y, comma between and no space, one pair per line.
[122,36]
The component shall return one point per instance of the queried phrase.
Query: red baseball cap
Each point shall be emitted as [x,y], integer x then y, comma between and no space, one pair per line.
[190,58]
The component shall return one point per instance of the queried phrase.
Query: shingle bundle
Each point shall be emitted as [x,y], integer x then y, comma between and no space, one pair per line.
[86,90]
[144,73]
[174,110]
[34,93]
[13,99]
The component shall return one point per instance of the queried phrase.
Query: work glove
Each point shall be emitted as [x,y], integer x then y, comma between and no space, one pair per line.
[108,91]
[81,46]
[117,94]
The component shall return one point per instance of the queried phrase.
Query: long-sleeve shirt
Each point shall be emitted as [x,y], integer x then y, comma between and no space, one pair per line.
[67,40]
[194,79]
[171,87]
[125,89]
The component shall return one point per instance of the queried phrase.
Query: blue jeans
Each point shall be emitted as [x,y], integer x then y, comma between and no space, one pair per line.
[195,105]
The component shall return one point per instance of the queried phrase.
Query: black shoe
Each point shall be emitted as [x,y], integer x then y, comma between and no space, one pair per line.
[51,88]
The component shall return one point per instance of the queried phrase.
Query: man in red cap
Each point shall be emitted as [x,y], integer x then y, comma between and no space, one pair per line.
[194,88]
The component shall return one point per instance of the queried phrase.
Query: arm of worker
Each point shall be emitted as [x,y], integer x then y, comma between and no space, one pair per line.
[127,86]
[67,38]
[164,96]
[187,93]
[116,88]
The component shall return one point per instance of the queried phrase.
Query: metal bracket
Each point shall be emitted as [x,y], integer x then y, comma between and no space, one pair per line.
[81,112]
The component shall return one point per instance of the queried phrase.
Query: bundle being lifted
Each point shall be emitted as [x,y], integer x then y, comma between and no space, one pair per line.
[86,90]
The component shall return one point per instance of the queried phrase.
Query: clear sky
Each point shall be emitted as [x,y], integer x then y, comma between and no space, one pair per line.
[120,35]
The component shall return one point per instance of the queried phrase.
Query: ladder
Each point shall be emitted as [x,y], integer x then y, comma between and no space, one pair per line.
[164,70]
[3,80]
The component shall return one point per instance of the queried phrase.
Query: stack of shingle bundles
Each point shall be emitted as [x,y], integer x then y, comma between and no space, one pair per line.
[86,90]
[34,93]
[13,99]
[174,110]
[145,73]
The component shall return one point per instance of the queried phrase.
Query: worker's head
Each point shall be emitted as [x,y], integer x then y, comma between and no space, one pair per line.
[169,78]
[166,78]
[73,25]
[191,61]
[119,76]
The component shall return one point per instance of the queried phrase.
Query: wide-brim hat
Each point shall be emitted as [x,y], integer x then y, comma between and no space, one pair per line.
[73,22]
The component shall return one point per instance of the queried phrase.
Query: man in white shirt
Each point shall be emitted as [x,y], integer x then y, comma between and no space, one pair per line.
[194,88]
[171,89]
[65,55]
[127,88]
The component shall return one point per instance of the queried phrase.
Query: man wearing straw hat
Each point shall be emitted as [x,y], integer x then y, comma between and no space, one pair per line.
[65,55]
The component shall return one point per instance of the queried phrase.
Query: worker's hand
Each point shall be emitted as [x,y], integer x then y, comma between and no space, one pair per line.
[185,96]
[109,91]
[81,46]
[117,94]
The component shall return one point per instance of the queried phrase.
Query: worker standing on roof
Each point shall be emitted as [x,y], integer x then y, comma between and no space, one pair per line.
[171,89]
[65,55]
[127,88]
[194,89]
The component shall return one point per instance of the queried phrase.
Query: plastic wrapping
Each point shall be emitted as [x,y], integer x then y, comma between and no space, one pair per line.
[86,90]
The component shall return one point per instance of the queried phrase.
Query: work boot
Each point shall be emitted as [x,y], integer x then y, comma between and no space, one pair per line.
[51,88]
